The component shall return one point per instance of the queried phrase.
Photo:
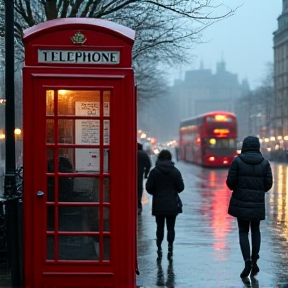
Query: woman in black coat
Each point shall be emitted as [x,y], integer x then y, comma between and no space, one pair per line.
[250,177]
[164,183]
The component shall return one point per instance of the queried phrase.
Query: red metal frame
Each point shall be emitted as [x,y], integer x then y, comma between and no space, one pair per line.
[119,79]
[194,131]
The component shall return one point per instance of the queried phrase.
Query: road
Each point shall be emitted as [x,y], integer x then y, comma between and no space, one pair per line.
[206,248]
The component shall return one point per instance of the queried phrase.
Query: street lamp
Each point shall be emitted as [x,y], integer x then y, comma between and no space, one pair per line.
[13,206]
[9,97]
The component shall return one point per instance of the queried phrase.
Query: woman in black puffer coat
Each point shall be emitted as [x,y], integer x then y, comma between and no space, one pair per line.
[164,183]
[250,177]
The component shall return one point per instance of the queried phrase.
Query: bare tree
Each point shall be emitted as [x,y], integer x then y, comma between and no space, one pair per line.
[166,29]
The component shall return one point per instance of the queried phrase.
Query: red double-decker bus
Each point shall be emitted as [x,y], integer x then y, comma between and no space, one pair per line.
[209,139]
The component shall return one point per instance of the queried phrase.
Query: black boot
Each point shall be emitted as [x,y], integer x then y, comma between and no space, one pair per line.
[170,251]
[246,271]
[255,268]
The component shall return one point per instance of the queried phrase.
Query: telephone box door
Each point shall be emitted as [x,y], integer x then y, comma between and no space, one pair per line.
[80,220]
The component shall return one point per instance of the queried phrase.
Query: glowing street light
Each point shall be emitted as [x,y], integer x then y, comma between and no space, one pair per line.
[17,131]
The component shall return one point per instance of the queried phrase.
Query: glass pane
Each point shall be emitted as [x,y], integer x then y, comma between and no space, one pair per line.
[106,246]
[106,189]
[106,103]
[81,219]
[50,160]
[49,102]
[65,131]
[65,189]
[86,189]
[106,161]
[50,247]
[106,219]
[73,102]
[65,161]
[77,248]
[87,160]
[73,160]
[50,131]
[87,132]
[50,189]
[50,218]
[106,132]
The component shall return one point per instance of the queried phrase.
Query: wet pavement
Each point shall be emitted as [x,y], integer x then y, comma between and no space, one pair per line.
[206,248]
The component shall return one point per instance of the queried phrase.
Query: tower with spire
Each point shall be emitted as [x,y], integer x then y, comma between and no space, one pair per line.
[284,5]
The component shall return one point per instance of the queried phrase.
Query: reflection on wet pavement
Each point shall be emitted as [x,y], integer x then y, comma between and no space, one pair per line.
[206,248]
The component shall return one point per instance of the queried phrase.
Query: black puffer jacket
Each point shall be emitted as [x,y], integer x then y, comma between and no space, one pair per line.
[164,183]
[249,177]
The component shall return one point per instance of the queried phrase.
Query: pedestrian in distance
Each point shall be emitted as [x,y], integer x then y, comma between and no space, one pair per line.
[250,177]
[177,152]
[143,166]
[165,183]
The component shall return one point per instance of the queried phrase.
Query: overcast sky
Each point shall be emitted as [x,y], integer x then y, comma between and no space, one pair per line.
[244,41]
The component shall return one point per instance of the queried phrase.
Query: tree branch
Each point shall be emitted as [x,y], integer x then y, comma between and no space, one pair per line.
[51,10]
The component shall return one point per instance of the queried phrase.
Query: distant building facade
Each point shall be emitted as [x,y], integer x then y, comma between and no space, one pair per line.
[202,91]
[280,40]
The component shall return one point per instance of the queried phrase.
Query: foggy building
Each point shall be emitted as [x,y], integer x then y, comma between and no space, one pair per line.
[280,41]
[253,111]
[202,91]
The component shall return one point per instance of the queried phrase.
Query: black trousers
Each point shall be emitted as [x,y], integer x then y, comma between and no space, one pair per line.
[244,226]
[140,192]
[139,198]
[170,224]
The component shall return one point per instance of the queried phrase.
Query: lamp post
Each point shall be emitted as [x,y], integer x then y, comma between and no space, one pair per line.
[9,184]
[14,205]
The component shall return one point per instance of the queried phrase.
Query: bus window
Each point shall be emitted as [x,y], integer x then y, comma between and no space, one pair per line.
[216,143]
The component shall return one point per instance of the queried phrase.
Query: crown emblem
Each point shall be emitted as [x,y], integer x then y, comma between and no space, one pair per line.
[78,38]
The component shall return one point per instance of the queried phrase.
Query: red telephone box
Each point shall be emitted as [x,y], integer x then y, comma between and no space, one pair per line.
[79,155]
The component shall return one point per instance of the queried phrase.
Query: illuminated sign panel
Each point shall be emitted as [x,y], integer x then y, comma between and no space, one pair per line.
[78,57]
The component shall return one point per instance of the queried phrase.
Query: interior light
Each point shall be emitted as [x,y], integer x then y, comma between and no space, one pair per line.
[212,141]
[62,92]
[221,132]
[220,118]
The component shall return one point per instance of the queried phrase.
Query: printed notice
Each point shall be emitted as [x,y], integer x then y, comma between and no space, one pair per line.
[106,132]
[87,132]
[87,108]
[106,108]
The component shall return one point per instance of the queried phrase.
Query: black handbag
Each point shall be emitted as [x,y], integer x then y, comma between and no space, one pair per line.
[179,204]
